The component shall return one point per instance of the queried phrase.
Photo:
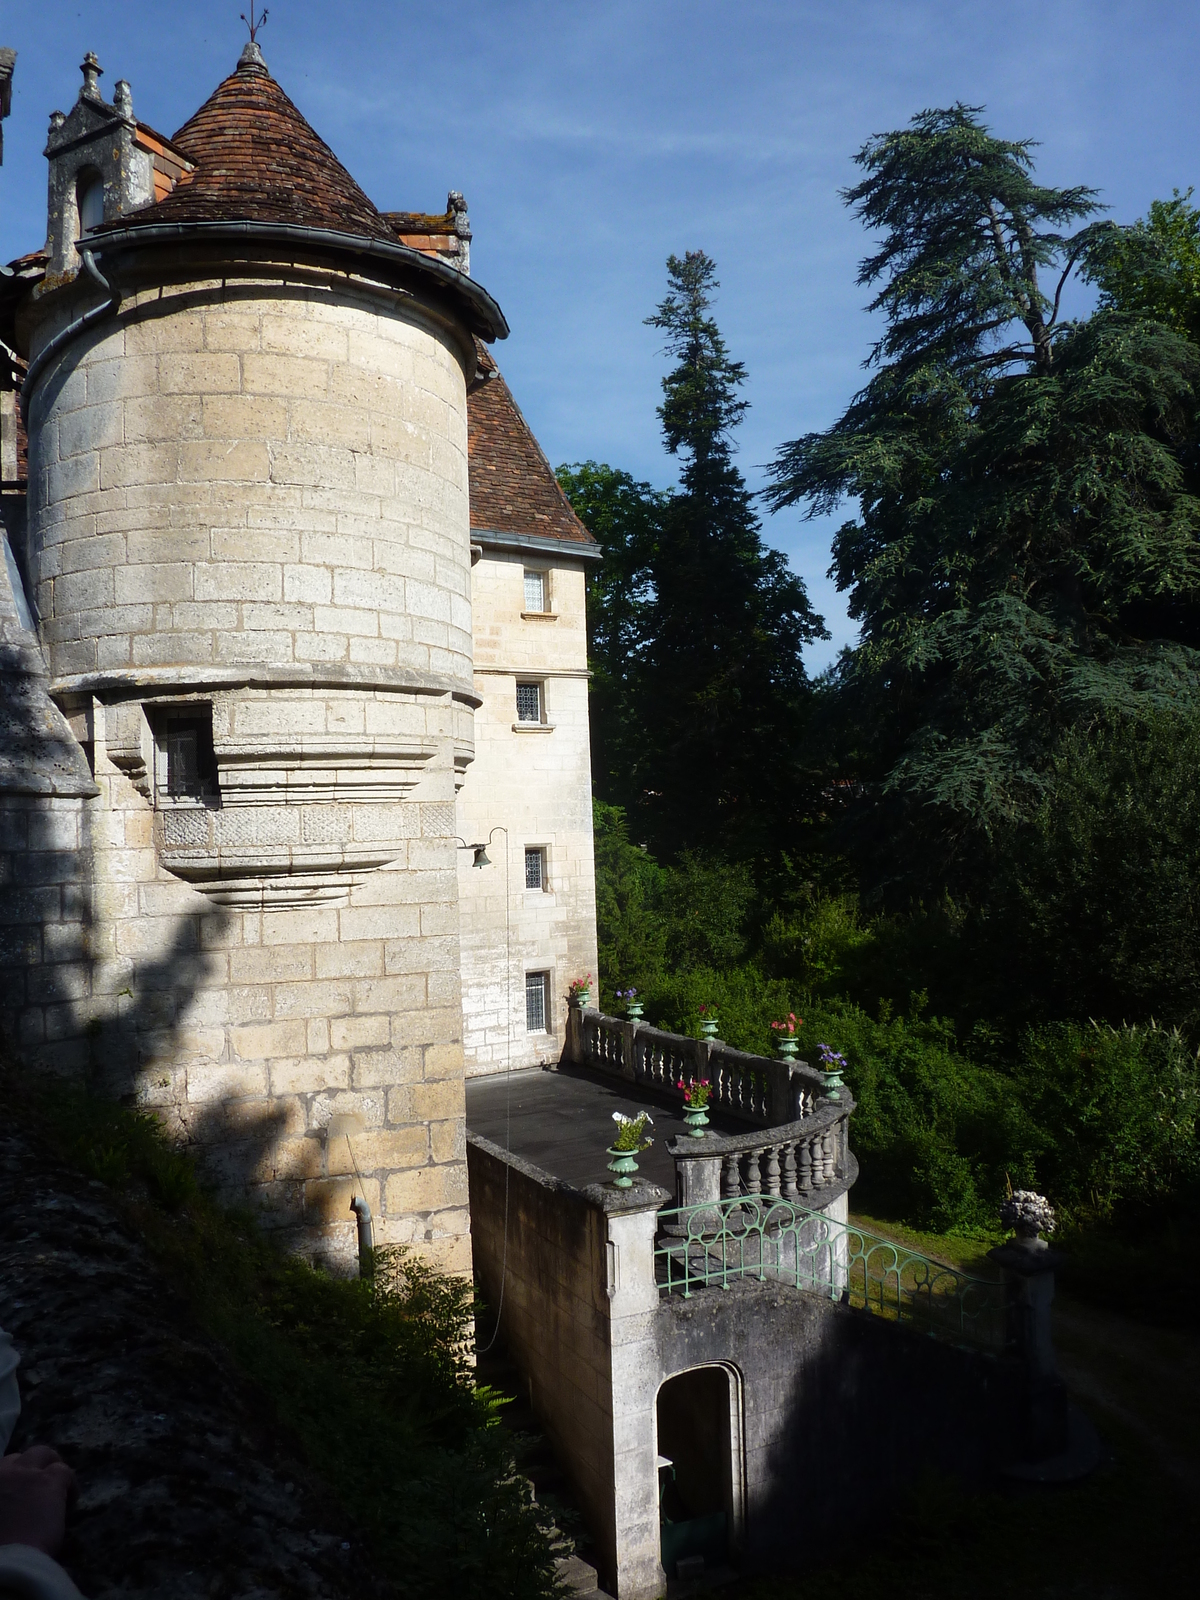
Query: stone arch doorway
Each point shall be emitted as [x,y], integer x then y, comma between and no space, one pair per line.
[698,1416]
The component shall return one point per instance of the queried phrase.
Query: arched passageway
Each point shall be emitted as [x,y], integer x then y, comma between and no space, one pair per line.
[700,1469]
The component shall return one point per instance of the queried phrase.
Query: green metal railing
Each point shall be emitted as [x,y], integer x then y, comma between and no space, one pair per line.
[716,1244]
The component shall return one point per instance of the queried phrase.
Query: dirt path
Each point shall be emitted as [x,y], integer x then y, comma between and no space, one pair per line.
[1146,1379]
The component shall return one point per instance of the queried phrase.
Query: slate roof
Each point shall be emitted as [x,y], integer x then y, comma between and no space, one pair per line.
[513,487]
[258,160]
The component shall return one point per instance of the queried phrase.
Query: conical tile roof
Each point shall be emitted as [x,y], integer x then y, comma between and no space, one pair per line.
[257,159]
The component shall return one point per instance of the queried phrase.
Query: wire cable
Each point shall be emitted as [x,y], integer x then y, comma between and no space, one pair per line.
[507,1079]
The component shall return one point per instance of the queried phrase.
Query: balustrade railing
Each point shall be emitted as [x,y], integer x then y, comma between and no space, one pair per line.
[807,1160]
[717,1243]
[764,1090]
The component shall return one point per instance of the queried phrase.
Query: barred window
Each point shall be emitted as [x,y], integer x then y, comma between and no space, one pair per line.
[529,702]
[187,761]
[535,869]
[535,591]
[536,985]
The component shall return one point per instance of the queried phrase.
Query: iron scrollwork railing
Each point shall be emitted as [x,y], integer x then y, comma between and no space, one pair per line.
[757,1237]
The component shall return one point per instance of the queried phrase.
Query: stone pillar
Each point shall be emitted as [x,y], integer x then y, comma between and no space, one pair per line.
[1028,1265]
[630,1221]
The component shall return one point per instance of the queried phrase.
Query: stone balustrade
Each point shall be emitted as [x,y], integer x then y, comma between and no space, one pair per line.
[808,1161]
[763,1090]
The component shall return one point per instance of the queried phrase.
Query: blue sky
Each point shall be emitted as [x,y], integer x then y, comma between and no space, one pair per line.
[593,139]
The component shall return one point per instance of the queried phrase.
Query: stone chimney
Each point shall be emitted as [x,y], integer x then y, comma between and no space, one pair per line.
[98,169]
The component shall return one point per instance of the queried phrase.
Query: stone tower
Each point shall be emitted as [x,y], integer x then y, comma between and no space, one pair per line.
[248,546]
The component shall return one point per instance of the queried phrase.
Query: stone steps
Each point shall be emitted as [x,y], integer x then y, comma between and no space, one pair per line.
[536,1459]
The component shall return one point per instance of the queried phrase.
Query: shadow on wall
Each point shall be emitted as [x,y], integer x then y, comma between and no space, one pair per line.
[85,996]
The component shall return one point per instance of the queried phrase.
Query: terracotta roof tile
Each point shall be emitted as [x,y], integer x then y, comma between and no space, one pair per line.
[257,159]
[513,488]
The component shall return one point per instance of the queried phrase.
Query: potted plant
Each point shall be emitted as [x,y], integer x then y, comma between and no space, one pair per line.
[833,1064]
[696,1096]
[785,1035]
[579,993]
[633,1006]
[708,1022]
[631,1139]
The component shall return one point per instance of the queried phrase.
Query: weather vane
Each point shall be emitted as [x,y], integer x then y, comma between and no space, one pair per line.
[251,24]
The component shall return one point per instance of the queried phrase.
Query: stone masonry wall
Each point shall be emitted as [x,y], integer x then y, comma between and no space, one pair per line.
[238,473]
[534,780]
[575,1279]
[249,500]
[840,1410]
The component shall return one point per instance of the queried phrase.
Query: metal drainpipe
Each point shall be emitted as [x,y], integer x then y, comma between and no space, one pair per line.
[71,331]
[366,1237]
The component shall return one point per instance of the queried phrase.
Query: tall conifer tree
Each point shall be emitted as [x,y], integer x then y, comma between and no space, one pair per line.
[722,691]
[1025,558]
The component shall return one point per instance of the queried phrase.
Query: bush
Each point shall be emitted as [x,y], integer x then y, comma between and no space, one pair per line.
[1100,1117]
[369,1379]
[1119,1109]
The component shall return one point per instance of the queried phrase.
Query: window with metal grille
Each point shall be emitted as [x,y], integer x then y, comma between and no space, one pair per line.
[186,751]
[529,702]
[536,985]
[535,591]
[535,869]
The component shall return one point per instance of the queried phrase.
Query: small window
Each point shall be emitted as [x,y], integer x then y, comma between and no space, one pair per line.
[535,869]
[536,986]
[535,591]
[91,202]
[529,702]
[188,769]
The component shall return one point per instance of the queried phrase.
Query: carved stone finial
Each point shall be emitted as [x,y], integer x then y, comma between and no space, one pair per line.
[92,70]
[1030,1214]
[123,97]
[251,59]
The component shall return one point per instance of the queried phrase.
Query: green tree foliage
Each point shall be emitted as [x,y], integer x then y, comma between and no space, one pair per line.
[699,629]
[625,518]
[1152,269]
[1025,556]
[1104,1118]
[1098,902]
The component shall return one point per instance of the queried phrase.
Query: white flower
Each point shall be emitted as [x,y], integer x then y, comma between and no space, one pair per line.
[619,1116]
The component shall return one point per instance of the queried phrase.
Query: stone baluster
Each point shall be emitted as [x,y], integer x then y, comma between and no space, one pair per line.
[827,1161]
[731,1180]
[789,1172]
[772,1184]
[753,1175]
[804,1181]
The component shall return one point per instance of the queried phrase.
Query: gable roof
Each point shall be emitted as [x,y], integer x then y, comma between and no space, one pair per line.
[258,160]
[513,487]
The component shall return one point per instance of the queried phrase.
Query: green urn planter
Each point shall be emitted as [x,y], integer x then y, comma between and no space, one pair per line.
[708,1027]
[634,1011]
[833,1081]
[623,1165]
[580,1000]
[787,1044]
[697,1122]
